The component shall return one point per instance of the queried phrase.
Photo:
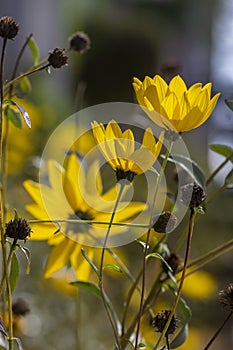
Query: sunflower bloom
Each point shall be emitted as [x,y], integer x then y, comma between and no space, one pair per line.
[55,202]
[174,107]
[119,150]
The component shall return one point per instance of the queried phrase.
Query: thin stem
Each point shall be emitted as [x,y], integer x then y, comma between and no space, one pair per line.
[176,301]
[217,332]
[167,342]
[217,170]
[148,240]
[104,296]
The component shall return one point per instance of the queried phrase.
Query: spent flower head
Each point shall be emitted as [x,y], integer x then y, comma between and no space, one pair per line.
[225,297]
[165,222]
[57,58]
[160,320]
[8,27]
[18,229]
[79,42]
[173,106]
[192,195]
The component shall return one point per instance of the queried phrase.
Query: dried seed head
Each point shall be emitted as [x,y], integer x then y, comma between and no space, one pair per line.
[165,223]
[192,195]
[8,27]
[57,58]
[225,297]
[160,320]
[124,175]
[79,42]
[18,229]
[174,261]
[20,307]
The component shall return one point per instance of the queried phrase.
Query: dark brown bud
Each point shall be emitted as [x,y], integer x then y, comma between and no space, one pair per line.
[165,223]
[124,175]
[18,229]
[8,27]
[192,195]
[174,261]
[57,58]
[79,42]
[160,320]
[20,307]
[225,297]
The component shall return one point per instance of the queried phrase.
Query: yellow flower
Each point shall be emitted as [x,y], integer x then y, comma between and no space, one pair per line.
[119,149]
[174,106]
[72,194]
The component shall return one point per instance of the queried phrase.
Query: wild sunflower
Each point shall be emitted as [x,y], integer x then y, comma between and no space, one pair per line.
[73,199]
[119,150]
[172,106]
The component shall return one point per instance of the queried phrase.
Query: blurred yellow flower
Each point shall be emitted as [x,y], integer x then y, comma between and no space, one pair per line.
[199,285]
[119,149]
[79,198]
[174,106]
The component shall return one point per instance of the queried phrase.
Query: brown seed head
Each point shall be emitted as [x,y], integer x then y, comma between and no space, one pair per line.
[192,195]
[160,320]
[18,229]
[20,307]
[174,261]
[79,42]
[57,58]
[165,223]
[8,27]
[225,297]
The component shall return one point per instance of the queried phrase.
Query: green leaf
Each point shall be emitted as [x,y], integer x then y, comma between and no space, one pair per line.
[229,104]
[229,180]
[91,287]
[223,150]
[158,256]
[14,272]
[24,114]
[114,267]
[25,85]
[191,167]
[180,338]
[13,116]
[34,50]
[94,267]
[27,255]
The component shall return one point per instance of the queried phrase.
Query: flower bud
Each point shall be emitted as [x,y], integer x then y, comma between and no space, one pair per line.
[8,27]
[57,58]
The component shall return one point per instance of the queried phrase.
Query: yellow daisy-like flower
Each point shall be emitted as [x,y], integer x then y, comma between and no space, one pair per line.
[174,107]
[78,198]
[119,149]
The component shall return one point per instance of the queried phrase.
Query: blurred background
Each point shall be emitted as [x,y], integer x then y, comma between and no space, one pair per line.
[128,38]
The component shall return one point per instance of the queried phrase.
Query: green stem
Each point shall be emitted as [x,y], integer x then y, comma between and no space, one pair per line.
[216,171]
[104,295]
[148,240]
[217,332]
[176,301]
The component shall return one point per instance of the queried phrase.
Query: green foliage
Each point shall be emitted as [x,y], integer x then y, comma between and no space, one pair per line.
[14,272]
[223,150]
[34,50]
[91,287]
[94,267]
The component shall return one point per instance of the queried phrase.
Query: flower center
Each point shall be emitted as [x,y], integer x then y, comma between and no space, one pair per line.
[125,175]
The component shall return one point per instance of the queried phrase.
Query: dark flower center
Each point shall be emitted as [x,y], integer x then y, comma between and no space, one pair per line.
[125,175]
[79,227]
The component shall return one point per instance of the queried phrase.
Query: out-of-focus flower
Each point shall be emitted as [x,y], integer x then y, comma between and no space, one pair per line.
[119,149]
[79,198]
[79,42]
[173,106]
[199,285]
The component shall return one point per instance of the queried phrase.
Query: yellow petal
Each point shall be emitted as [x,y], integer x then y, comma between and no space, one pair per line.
[81,266]
[178,86]
[161,87]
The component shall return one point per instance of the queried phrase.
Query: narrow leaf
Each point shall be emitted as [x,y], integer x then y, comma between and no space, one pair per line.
[18,341]
[158,256]
[24,113]
[224,150]
[191,167]
[94,267]
[114,267]
[34,50]
[27,255]
[25,85]
[229,180]
[229,104]
[13,116]
[14,272]
[91,287]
